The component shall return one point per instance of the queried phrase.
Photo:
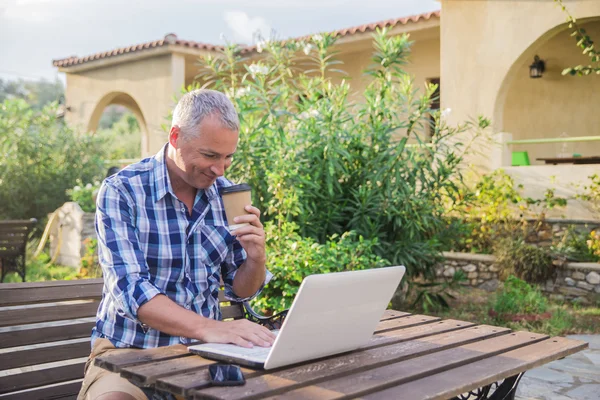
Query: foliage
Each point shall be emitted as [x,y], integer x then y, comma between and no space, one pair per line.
[41,159]
[330,164]
[495,210]
[38,94]
[577,246]
[434,295]
[84,195]
[90,268]
[473,305]
[293,257]
[591,192]
[585,42]
[38,270]
[519,297]
[526,261]
[593,244]
[122,137]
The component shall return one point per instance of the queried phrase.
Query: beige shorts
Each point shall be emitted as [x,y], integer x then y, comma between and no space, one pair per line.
[98,381]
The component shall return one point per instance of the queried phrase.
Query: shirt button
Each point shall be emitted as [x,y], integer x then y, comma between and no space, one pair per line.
[183,209]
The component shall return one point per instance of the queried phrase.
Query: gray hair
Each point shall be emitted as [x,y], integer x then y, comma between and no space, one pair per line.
[198,104]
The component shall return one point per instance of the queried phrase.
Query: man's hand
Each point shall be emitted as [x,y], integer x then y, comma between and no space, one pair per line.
[252,236]
[240,332]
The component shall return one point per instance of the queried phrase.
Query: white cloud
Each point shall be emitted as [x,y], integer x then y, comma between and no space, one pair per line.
[244,27]
[35,11]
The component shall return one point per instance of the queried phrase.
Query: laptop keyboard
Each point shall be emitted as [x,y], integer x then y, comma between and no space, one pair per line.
[256,352]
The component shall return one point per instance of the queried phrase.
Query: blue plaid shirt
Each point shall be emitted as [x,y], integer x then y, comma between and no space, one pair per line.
[148,244]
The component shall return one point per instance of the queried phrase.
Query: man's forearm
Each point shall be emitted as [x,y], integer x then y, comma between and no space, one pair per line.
[249,278]
[163,314]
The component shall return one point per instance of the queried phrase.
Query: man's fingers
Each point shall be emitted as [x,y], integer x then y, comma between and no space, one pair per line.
[251,219]
[240,341]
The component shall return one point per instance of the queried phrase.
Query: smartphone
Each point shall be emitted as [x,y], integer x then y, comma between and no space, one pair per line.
[226,375]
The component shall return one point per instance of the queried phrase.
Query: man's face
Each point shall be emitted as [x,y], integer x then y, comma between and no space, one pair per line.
[202,159]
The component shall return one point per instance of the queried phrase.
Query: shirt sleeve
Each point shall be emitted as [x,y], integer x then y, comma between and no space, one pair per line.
[235,258]
[123,263]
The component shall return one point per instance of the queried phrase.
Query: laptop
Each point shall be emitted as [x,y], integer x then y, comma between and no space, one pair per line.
[331,314]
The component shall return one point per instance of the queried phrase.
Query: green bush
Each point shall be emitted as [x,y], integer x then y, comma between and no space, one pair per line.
[292,257]
[518,297]
[528,262]
[576,246]
[39,269]
[331,164]
[41,159]
[84,195]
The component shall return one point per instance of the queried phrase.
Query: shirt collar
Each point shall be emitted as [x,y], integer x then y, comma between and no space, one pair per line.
[162,182]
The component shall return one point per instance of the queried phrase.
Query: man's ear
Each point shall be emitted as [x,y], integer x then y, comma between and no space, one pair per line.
[174,136]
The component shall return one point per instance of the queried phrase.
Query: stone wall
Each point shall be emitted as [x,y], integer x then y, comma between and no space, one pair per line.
[573,281]
[555,229]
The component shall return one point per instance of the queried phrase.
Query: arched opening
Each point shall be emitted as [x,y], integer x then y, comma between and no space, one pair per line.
[118,116]
[554,105]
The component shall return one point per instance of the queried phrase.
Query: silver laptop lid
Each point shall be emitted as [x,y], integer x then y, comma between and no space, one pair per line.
[333,313]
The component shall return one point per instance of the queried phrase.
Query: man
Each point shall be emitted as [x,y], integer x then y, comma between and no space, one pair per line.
[163,245]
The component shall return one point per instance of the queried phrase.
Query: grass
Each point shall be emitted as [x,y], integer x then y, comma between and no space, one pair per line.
[473,305]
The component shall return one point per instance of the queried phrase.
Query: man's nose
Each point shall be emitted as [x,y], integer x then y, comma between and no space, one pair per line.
[218,168]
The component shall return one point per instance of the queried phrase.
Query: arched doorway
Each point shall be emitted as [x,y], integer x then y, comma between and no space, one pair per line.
[553,105]
[117,102]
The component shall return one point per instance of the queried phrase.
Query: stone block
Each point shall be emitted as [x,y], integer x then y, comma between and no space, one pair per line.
[578,276]
[490,286]
[494,268]
[569,282]
[449,272]
[593,278]
[469,268]
[557,297]
[472,275]
[485,275]
[572,291]
[585,285]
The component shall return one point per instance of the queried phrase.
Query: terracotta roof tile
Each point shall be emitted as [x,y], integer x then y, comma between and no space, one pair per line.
[172,39]
[372,26]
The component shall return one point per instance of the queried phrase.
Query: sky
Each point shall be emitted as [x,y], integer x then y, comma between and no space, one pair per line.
[34,32]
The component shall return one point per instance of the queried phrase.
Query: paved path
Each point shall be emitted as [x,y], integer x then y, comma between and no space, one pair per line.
[576,377]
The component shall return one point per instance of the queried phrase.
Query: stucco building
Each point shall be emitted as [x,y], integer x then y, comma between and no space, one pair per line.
[479,50]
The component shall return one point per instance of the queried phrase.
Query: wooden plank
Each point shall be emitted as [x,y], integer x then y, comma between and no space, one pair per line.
[391,314]
[45,334]
[418,331]
[25,293]
[377,379]
[47,314]
[42,377]
[278,382]
[405,322]
[182,383]
[67,390]
[18,222]
[24,358]
[147,374]
[459,380]
[131,357]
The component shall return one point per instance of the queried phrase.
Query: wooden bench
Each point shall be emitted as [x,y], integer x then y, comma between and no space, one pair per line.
[45,332]
[14,235]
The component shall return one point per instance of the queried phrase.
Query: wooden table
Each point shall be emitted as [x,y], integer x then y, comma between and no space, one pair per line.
[571,160]
[409,357]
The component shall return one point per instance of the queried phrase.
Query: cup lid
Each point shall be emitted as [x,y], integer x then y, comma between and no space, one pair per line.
[242,187]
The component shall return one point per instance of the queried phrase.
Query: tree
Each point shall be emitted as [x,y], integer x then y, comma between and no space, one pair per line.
[585,42]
